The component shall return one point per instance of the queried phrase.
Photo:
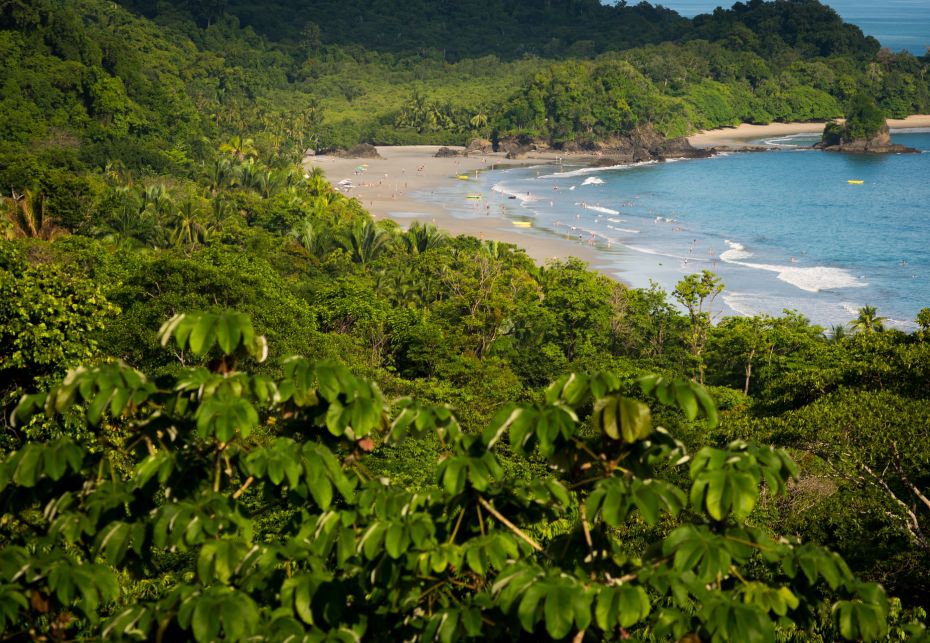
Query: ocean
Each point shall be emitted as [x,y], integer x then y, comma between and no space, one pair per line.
[784,229]
[897,24]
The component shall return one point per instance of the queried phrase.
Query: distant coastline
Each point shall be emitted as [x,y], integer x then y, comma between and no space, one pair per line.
[388,186]
[745,132]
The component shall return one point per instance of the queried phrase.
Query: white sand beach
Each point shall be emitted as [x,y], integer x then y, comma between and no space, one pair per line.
[745,132]
[385,187]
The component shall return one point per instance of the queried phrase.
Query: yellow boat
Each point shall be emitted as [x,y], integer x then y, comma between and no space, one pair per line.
[463,177]
[855,182]
[522,224]
[473,196]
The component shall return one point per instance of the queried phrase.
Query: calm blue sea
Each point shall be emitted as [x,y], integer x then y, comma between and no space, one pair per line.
[784,229]
[898,24]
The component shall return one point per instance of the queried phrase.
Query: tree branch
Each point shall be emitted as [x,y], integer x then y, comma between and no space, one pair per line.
[512,527]
[913,526]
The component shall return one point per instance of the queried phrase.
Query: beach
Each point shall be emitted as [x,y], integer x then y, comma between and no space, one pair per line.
[742,134]
[387,187]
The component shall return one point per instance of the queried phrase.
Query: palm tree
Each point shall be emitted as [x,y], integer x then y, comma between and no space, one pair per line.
[249,172]
[315,238]
[868,321]
[270,182]
[419,238]
[400,287]
[156,198]
[220,209]
[240,148]
[220,175]
[837,333]
[365,242]
[478,121]
[26,216]
[116,173]
[187,229]
[317,183]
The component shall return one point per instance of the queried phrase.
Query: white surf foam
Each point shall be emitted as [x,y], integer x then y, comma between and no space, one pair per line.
[650,251]
[593,170]
[738,304]
[813,279]
[593,180]
[524,197]
[790,140]
[628,230]
[598,208]
[736,252]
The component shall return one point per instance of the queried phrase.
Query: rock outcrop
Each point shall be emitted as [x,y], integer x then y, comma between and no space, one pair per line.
[446,152]
[480,146]
[640,145]
[517,147]
[835,140]
[645,144]
[718,149]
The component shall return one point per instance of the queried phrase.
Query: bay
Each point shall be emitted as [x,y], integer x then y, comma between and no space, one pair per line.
[784,229]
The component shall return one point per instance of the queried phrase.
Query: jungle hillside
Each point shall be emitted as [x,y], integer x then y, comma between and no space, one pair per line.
[235,406]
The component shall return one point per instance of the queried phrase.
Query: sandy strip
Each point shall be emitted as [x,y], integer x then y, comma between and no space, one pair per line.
[385,185]
[741,134]
[384,189]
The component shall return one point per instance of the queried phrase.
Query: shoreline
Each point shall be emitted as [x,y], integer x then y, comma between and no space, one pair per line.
[741,134]
[387,185]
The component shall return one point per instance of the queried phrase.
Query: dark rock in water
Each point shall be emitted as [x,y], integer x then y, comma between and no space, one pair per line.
[645,144]
[740,148]
[835,140]
[360,151]
[446,152]
[679,148]
[607,161]
[480,145]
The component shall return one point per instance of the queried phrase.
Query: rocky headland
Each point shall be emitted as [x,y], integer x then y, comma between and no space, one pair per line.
[837,138]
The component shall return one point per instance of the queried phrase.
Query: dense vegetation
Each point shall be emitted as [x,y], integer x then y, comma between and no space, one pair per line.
[417,476]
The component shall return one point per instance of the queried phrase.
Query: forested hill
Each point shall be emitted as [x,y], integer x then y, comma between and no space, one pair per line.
[512,28]
[417,477]
[458,28]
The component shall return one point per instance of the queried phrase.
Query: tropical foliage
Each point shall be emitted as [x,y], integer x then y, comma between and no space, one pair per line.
[429,471]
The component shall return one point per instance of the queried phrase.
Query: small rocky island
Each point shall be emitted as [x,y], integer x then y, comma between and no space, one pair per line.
[864,131]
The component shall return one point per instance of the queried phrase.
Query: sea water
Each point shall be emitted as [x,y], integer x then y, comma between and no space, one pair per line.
[783,229]
[897,24]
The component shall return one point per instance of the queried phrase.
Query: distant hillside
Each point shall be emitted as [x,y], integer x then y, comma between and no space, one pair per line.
[513,28]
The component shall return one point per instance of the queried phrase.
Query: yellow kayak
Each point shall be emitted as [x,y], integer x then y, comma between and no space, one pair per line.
[522,224]
[855,182]
[473,196]
[463,177]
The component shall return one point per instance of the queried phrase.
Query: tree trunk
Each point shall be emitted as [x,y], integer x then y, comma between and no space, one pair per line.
[748,372]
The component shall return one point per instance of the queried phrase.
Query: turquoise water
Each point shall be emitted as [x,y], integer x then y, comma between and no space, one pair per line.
[897,24]
[783,229]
